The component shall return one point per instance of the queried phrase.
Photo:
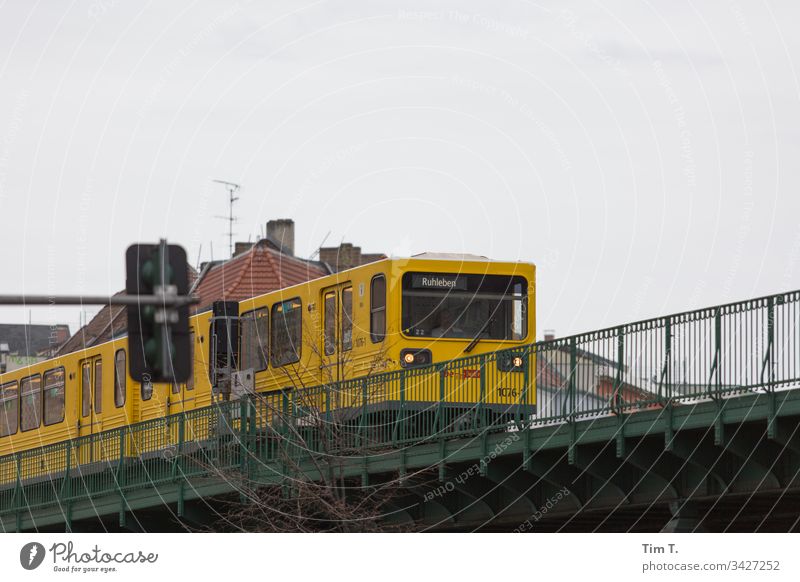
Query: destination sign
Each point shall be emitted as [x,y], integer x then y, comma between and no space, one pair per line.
[439,281]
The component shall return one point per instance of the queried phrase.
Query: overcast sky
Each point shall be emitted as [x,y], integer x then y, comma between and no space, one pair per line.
[645,155]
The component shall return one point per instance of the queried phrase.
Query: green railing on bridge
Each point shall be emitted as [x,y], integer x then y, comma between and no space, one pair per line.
[710,353]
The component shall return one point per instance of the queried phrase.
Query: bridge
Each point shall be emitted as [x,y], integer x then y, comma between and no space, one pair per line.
[687,422]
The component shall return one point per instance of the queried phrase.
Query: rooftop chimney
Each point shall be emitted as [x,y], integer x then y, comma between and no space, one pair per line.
[241,247]
[549,335]
[281,232]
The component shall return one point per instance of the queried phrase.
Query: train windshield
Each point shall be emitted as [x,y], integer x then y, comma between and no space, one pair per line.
[449,305]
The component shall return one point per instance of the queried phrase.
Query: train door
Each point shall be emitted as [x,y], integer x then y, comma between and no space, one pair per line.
[181,397]
[90,403]
[337,332]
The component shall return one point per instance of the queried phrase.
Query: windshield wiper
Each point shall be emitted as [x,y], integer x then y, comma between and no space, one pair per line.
[477,337]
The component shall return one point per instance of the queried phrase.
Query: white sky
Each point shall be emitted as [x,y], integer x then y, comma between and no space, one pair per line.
[645,155]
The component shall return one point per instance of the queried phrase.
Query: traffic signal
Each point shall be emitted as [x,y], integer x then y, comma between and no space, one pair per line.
[158,330]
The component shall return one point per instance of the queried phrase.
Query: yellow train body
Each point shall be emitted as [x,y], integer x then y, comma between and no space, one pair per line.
[366,322]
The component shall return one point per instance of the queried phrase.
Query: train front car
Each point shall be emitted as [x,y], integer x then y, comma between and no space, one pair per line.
[464,341]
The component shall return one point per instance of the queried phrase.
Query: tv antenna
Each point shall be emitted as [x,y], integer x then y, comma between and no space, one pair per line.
[316,252]
[232,189]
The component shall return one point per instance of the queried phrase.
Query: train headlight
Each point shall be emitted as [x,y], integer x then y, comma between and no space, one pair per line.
[512,362]
[411,358]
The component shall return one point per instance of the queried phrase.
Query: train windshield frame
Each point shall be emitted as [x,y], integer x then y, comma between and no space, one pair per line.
[464,306]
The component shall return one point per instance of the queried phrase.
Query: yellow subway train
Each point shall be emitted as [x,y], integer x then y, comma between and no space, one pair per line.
[393,314]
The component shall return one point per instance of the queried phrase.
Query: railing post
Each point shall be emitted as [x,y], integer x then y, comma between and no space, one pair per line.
[66,490]
[718,356]
[573,370]
[121,478]
[294,427]
[617,399]
[244,414]
[285,444]
[327,404]
[18,492]
[523,397]
[362,421]
[65,485]
[440,406]
[255,402]
[667,376]
[482,396]
[181,438]
[770,342]
[399,433]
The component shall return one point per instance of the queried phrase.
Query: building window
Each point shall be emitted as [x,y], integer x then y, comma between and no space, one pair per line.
[31,393]
[255,334]
[9,408]
[347,319]
[287,332]
[120,379]
[98,386]
[377,308]
[54,396]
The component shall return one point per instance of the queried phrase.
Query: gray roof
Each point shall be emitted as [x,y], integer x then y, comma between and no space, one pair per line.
[28,340]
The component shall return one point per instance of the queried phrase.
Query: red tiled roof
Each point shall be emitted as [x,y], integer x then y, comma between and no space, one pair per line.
[259,270]
[547,376]
[111,322]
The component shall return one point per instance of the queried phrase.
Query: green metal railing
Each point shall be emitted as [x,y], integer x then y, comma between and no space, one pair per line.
[713,353]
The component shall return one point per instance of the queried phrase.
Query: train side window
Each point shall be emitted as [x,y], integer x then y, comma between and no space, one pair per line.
[54,396]
[330,323]
[120,379]
[347,319]
[86,388]
[254,327]
[287,332]
[9,408]
[98,386]
[377,309]
[31,392]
